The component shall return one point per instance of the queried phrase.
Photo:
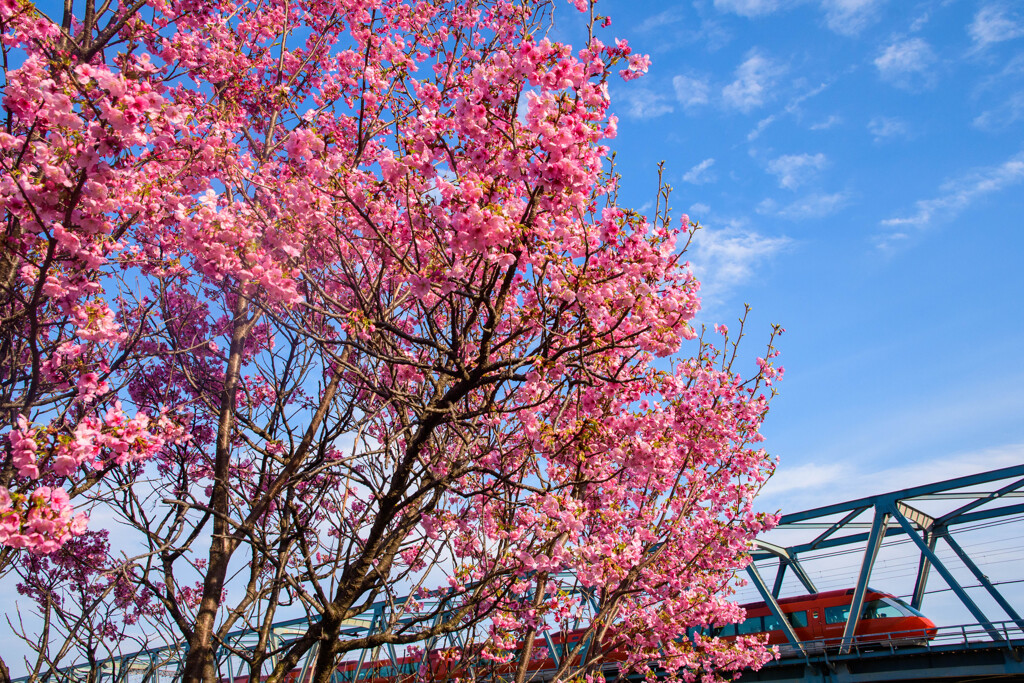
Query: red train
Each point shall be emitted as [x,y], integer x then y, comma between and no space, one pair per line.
[821,618]
[817,619]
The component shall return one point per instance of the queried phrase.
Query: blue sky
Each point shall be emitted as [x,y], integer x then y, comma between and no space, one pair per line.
[858,166]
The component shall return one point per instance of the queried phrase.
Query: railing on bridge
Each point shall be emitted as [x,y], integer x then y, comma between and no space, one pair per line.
[961,636]
[954,653]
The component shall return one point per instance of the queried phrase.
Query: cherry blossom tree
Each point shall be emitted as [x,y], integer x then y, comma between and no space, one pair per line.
[325,303]
[88,604]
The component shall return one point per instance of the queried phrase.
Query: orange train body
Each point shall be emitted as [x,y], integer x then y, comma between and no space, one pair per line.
[821,618]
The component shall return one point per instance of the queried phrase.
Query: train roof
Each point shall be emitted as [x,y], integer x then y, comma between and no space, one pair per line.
[813,597]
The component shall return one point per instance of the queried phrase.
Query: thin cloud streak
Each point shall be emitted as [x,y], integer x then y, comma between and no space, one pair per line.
[846,17]
[956,195]
[662,20]
[816,205]
[831,121]
[850,17]
[888,127]
[749,8]
[760,128]
[792,108]
[1009,112]
[700,174]
[838,482]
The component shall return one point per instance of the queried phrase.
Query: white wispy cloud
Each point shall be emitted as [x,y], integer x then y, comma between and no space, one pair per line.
[956,195]
[993,24]
[1012,72]
[755,78]
[728,257]
[1006,114]
[919,22]
[699,209]
[850,17]
[890,436]
[663,19]
[834,482]
[792,108]
[691,91]
[810,475]
[814,205]
[793,170]
[644,103]
[677,26]
[832,120]
[711,34]
[755,133]
[701,173]
[749,8]
[908,64]
[887,127]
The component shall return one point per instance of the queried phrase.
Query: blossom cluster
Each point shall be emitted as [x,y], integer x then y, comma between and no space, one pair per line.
[41,522]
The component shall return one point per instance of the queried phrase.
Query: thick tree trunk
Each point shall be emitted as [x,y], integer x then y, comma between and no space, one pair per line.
[200,664]
[526,651]
[328,653]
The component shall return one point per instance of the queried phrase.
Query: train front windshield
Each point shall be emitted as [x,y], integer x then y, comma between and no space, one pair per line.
[907,609]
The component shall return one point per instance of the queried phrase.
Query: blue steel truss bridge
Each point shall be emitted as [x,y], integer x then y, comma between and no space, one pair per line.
[958,539]
[926,525]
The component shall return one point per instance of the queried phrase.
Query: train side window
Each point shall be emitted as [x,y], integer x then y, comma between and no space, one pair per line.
[751,625]
[727,630]
[798,619]
[772,623]
[837,614]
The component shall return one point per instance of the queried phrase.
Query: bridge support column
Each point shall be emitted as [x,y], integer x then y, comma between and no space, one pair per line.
[923,568]
[773,605]
[953,584]
[878,527]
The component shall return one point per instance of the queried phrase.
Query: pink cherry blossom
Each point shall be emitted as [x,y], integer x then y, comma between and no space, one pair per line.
[342,293]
